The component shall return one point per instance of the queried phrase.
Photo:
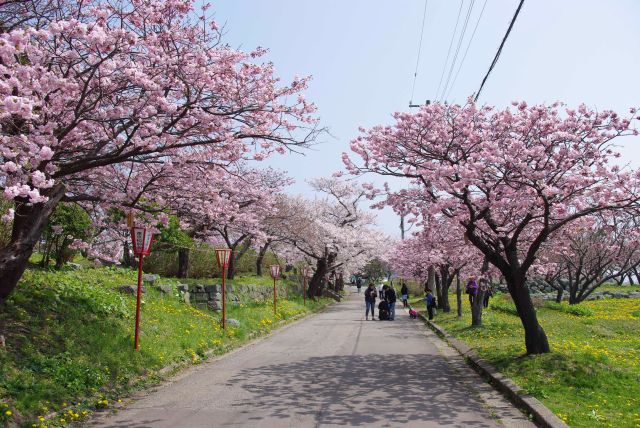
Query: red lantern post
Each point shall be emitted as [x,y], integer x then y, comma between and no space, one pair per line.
[223,255]
[141,239]
[275,274]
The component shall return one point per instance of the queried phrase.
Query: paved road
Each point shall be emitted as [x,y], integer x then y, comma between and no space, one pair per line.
[332,369]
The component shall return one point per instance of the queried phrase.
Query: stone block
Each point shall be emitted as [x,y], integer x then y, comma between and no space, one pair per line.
[199,288]
[233,322]
[212,288]
[165,289]
[130,289]
[150,278]
[182,288]
[200,297]
[214,305]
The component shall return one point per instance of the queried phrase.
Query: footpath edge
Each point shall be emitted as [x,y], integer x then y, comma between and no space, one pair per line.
[542,416]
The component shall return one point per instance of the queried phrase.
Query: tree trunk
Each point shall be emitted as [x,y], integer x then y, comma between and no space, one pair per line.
[231,270]
[439,291]
[315,285]
[459,294]
[128,260]
[28,223]
[260,259]
[630,276]
[559,294]
[183,262]
[447,279]
[431,278]
[535,338]
[476,308]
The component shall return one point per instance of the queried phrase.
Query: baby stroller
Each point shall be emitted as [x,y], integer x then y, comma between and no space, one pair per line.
[383,311]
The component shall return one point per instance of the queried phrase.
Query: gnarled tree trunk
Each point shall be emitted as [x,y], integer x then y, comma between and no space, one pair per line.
[535,338]
[28,224]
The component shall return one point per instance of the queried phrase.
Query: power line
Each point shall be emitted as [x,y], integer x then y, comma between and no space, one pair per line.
[453,36]
[455,56]
[466,51]
[415,74]
[495,59]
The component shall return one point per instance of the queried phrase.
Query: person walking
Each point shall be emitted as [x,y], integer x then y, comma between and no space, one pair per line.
[370,295]
[359,284]
[429,300]
[486,287]
[390,295]
[381,291]
[472,289]
[404,292]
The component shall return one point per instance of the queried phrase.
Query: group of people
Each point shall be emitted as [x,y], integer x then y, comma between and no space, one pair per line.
[388,298]
[473,288]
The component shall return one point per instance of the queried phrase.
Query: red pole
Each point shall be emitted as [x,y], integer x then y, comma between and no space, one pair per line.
[224,298]
[274,296]
[137,335]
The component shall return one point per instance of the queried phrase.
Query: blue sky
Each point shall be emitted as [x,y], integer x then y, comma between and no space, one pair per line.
[362,55]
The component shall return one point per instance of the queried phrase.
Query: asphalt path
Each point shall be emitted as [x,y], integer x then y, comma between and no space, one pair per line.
[331,369]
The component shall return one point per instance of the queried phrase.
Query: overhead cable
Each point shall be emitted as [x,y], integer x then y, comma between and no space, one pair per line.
[415,74]
[455,56]
[466,51]
[495,59]
[453,36]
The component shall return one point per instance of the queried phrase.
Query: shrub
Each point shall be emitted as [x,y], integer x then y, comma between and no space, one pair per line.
[579,311]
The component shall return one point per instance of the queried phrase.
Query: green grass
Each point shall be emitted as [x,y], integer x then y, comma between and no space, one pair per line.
[70,340]
[591,378]
[618,288]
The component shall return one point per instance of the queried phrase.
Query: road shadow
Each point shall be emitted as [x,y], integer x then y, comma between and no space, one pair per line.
[354,390]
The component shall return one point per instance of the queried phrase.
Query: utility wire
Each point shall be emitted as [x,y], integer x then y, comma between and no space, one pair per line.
[453,36]
[495,59]
[466,51]
[455,56]
[415,74]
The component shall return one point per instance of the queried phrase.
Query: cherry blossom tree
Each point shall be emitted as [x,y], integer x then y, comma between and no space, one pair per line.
[509,177]
[333,232]
[593,252]
[96,90]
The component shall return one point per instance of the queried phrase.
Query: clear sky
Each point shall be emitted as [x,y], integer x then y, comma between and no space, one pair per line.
[362,55]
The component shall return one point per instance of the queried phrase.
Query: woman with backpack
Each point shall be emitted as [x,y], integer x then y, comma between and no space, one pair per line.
[370,295]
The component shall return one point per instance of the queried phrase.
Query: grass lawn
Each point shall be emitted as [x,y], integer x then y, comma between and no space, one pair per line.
[592,376]
[70,340]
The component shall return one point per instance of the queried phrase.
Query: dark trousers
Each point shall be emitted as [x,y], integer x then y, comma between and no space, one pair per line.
[486,300]
[430,311]
[471,298]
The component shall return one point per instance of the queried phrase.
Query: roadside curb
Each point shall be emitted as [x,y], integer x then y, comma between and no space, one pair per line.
[542,416]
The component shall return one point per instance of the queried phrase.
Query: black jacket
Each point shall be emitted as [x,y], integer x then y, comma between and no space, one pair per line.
[370,294]
[404,290]
[390,295]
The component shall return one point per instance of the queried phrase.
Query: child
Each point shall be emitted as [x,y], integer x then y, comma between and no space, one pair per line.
[413,314]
